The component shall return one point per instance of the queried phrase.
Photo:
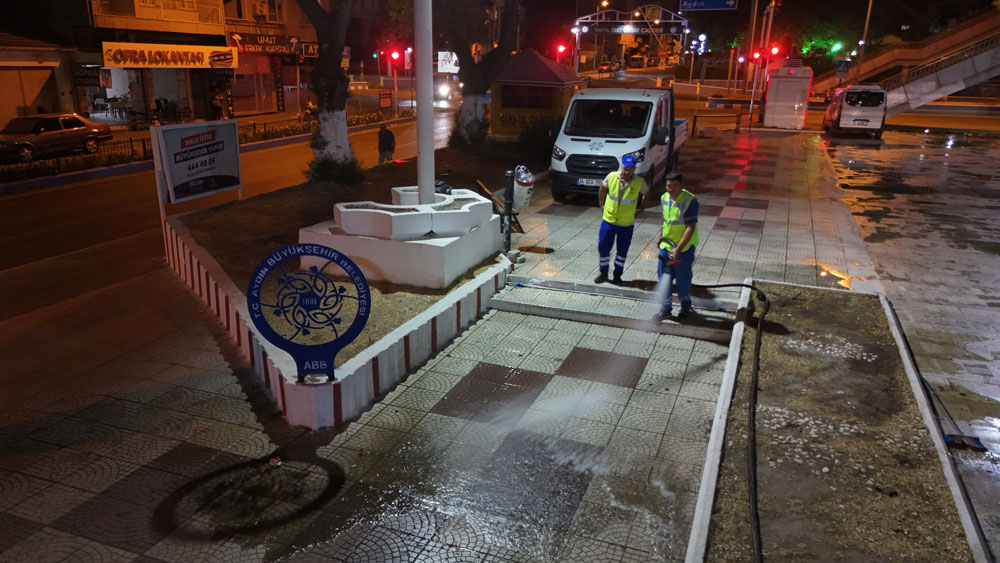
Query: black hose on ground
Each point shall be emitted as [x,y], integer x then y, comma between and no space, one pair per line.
[758,555]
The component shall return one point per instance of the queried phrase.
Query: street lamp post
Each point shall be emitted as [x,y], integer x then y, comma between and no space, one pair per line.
[864,39]
[600,52]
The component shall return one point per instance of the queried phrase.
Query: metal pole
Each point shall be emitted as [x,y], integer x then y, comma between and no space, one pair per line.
[576,54]
[750,117]
[864,40]
[691,73]
[422,48]
[395,93]
[729,71]
[753,28]
[508,209]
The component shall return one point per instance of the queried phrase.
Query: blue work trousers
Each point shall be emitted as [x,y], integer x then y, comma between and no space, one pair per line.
[606,239]
[680,276]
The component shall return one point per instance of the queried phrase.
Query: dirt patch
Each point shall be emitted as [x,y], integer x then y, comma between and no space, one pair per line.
[242,233]
[846,468]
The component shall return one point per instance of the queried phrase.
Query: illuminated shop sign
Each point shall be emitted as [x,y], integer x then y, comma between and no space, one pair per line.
[151,55]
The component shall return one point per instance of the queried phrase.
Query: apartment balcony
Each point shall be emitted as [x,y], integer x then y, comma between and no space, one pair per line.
[179,16]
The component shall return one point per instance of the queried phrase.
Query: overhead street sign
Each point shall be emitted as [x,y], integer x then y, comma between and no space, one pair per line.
[696,5]
[640,29]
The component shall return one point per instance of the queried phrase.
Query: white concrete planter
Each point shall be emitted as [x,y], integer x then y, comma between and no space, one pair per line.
[377,220]
[410,221]
[457,222]
[408,196]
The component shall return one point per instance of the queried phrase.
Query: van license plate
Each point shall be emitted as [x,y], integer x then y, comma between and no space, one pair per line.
[587,182]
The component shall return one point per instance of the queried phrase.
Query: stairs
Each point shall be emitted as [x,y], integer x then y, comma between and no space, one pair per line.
[943,76]
[886,57]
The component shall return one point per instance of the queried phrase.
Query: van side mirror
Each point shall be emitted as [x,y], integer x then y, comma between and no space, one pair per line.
[660,136]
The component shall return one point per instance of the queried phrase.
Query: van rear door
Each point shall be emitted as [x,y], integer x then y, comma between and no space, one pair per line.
[862,109]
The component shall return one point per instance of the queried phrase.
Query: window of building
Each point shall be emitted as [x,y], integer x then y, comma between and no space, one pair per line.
[234,9]
[527,97]
[117,7]
[270,11]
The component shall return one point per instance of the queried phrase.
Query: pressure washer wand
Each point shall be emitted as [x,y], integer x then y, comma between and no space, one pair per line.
[670,245]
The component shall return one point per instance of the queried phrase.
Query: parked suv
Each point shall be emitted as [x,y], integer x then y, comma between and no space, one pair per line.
[25,138]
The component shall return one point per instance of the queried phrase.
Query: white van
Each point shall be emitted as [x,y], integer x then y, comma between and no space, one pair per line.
[856,108]
[604,124]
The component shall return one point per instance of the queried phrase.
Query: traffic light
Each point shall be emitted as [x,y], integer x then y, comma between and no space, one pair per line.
[774,50]
[756,55]
[561,48]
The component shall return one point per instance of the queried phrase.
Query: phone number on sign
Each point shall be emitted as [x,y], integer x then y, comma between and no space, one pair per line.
[203,163]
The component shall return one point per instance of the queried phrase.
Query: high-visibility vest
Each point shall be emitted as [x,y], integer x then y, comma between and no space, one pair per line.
[673,219]
[620,206]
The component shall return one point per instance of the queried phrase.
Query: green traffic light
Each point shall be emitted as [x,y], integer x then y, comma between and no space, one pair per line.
[836,47]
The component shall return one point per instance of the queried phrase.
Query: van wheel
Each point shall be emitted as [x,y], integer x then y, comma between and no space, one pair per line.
[558,196]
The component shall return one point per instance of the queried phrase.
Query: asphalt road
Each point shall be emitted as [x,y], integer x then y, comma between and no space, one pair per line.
[61,242]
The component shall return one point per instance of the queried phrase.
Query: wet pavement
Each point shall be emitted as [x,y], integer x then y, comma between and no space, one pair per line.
[927,207]
[129,434]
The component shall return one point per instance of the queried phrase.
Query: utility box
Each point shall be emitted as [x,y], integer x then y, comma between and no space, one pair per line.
[787,97]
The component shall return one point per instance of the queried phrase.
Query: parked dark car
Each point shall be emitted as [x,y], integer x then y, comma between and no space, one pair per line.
[25,138]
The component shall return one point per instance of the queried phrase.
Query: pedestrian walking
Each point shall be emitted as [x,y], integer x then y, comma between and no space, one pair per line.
[620,195]
[386,144]
[679,238]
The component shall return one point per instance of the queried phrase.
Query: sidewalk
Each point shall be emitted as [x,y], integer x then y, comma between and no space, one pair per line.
[129,434]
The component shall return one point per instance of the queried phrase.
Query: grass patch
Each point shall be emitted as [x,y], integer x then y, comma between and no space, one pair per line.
[240,234]
[846,467]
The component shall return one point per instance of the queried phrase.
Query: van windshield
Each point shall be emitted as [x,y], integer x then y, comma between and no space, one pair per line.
[865,99]
[608,118]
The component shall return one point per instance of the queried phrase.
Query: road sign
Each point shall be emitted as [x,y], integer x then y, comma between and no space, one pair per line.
[696,5]
[842,69]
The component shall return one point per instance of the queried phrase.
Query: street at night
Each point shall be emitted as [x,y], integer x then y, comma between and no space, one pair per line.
[531,398]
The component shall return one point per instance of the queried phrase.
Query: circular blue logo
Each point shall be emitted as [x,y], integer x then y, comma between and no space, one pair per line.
[311,301]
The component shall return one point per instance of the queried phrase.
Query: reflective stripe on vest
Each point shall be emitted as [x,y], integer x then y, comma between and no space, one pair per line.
[673,220]
[619,208]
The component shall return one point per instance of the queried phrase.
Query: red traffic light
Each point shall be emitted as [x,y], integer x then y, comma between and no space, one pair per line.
[774,50]
[756,54]
[395,55]
[561,48]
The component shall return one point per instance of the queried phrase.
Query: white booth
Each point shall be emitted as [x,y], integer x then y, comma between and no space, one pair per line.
[787,98]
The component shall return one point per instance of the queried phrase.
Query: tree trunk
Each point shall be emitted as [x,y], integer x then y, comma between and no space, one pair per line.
[329,81]
[470,121]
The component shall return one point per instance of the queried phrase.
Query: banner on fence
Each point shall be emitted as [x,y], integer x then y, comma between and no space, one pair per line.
[196,159]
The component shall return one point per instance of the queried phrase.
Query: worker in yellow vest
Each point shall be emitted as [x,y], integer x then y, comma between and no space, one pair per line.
[620,195]
[679,237]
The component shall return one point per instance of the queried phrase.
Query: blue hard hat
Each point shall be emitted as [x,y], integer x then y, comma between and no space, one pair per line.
[628,160]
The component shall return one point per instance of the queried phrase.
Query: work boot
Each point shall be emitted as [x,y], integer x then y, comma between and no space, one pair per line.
[601,278]
[662,316]
[618,280]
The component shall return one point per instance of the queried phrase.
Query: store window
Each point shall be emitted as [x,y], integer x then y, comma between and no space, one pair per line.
[253,88]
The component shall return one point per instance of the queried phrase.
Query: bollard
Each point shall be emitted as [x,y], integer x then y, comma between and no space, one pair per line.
[508,209]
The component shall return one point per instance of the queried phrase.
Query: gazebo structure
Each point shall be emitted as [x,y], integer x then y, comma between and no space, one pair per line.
[529,89]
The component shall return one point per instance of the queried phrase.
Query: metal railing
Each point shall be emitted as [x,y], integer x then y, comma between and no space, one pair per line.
[936,65]
[874,52]
[736,117]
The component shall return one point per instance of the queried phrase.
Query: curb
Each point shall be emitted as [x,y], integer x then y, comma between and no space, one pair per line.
[132,167]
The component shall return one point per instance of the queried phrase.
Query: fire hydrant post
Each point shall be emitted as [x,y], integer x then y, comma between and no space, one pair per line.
[508,209]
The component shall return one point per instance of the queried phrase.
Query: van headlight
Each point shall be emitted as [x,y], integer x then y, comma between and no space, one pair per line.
[639,155]
[558,153]
[444,90]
